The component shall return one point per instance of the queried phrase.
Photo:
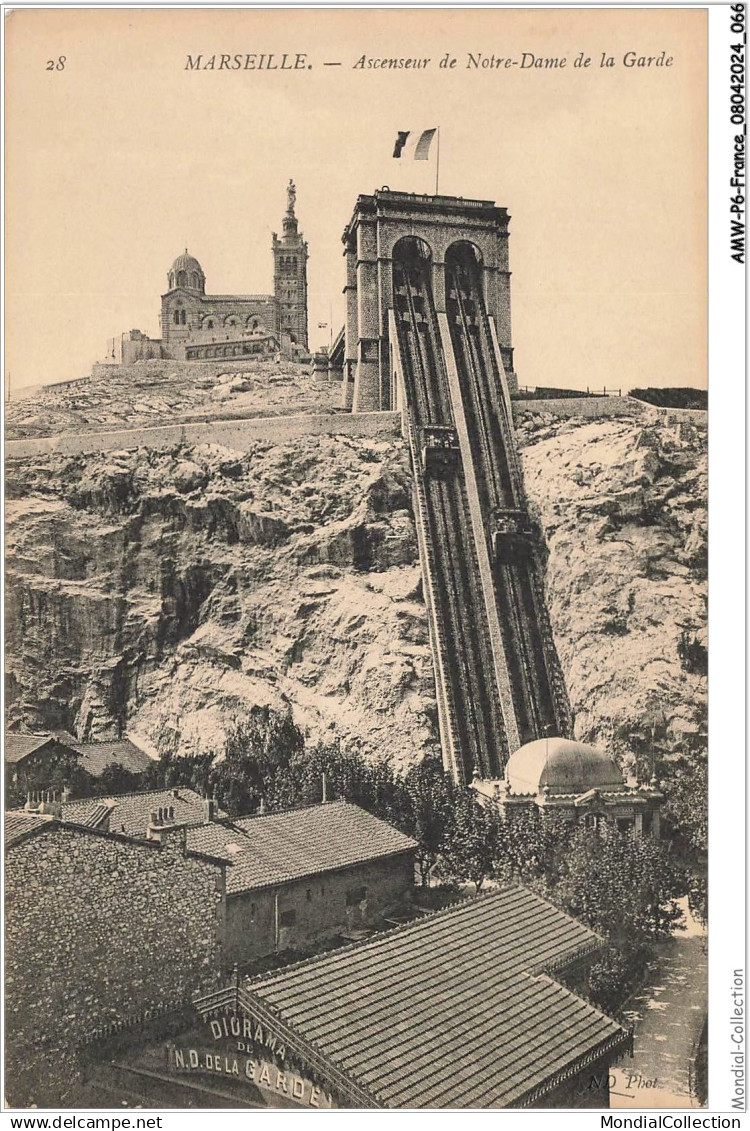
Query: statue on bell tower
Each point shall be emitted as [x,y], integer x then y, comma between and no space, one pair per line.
[290,278]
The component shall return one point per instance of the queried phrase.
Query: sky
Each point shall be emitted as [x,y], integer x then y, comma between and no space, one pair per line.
[122,157]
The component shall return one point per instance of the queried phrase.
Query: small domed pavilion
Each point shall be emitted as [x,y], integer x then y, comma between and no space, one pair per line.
[575,780]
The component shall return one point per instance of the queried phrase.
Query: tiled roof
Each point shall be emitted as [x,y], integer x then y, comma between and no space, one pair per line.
[16,747]
[286,846]
[95,816]
[453,1010]
[17,825]
[131,812]
[96,756]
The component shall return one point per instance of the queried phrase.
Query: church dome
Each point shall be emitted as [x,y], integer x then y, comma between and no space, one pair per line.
[187,272]
[561,766]
[186,262]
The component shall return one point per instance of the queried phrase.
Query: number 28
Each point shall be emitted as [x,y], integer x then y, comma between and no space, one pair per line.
[57,64]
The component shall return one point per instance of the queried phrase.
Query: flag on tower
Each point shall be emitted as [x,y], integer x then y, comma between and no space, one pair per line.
[415,145]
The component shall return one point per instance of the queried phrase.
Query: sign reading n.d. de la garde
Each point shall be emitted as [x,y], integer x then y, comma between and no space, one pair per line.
[243,1049]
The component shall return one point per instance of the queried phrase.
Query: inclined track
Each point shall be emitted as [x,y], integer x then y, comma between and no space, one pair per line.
[539,695]
[475,702]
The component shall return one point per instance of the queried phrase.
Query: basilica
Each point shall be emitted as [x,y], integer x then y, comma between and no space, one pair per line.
[196,326]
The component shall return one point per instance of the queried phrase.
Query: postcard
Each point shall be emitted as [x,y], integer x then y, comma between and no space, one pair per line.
[356,561]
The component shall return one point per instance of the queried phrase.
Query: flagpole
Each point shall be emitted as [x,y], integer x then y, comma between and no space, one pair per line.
[437,163]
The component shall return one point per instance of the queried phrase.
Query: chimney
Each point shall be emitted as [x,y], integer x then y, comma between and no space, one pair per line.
[50,803]
[209,809]
[262,806]
[325,789]
[161,820]
[65,795]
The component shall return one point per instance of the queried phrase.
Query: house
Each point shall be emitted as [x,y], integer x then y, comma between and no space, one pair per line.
[465,1008]
[145,814]
[118,910]
[292,877]
[101,930]
[42,761]
[304,874]
[96,757]
[28,755]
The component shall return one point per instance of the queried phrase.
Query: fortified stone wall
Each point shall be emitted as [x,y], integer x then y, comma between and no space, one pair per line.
[589,407]
[596,408]
[141,349]
[239,435]
[99,929]
[320,905]
[199,370]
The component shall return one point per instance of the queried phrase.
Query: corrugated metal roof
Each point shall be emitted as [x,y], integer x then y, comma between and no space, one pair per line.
[453,1010]
[286,846]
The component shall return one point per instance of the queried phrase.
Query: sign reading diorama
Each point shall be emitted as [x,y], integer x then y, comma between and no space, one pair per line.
[247,1050]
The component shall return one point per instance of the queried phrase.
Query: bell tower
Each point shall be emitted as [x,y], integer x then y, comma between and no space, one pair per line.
[290,277]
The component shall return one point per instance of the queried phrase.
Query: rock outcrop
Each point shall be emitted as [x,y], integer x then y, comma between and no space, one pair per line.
[171,593]
[150,393]
[623,506]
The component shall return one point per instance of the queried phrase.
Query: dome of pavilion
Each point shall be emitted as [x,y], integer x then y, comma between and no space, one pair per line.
[561,765]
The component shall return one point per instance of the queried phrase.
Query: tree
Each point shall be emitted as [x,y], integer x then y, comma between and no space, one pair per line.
[115,779]
[532,846]
[624,887]
[687,802]
[431,797]
[257,750]
[471,840]
[618,970]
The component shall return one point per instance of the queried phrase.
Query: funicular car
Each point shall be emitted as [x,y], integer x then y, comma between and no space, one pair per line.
[440,449]
[510,533]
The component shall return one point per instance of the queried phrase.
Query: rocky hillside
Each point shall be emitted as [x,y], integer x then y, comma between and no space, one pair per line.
[623,505]
[172,592]
[168,593]
[169,392]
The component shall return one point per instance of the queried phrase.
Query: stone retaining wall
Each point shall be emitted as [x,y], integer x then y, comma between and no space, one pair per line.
[241,433]
[238,435]
[160,369]
[594,408]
